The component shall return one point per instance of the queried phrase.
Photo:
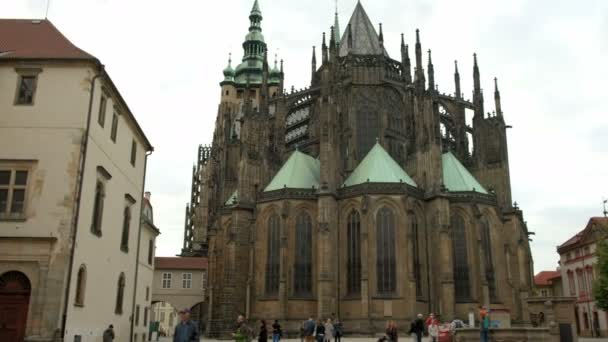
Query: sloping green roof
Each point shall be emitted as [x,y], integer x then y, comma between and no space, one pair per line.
[378,167]
[233,198]
[456,177]
[300,171]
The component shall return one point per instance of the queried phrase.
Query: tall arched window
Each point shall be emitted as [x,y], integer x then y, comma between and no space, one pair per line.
[385,252]
[416,265]
[81,283]
[272,258]
[486,240]
[120,294]
[353,239]
[462,287]
[126,227]
[98,208]
[303,261]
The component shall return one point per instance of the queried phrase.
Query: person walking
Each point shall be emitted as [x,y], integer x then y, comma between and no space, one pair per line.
[391,331]
[108,334]
[338,330]
[484,324]
[417,328]
[276,331]
[434,331]
[309,330]
[320,331]
[242,332]
[329,330]
[185,330]
[263,335]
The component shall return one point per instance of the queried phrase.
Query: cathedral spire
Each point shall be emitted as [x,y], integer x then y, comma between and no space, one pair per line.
[381,37]
[497,98]
[333,48]
[477,92]
[314,61]
[405,60]
[476,81]
[337,25]
[350,37]
[419,70]
[457,80]
[324,50]
[431,71]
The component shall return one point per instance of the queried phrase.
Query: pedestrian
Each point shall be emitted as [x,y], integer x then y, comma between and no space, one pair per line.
[434,331]
[391,331]
[263,336]
[276,331]
[309,330]
[338,330]
[320,331]
[185,330]
[329,330]
[484,324]
[429,320]
[417,328]
[242,331]
[108,334]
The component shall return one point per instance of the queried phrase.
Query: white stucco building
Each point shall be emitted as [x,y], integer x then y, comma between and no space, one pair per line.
[578,262]
[72,174]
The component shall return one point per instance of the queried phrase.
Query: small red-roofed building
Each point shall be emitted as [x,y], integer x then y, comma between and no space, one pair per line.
[548,283]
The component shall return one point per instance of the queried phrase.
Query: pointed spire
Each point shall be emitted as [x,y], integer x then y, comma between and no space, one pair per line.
[314,62]
[381,36]
[431,71]
[405,60]
[497,98]
[324,51]
[419,74]
[477,92]
[476,81]
[337,25]
[332,40]
[281,84]
[350,37]
[457,80]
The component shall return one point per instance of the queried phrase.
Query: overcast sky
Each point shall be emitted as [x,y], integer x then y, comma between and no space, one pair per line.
[550,57]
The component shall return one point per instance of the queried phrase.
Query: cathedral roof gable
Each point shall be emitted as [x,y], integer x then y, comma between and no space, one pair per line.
[378,167]
[456,177]
[300,171]
[365,40]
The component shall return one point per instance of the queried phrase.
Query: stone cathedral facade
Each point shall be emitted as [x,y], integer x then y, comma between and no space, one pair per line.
[365,196]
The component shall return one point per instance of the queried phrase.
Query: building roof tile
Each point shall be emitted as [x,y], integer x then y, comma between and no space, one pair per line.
[300,171]
[187,263]
[36,39]
[544,278]
[456,177]
[378,167]
[600,222]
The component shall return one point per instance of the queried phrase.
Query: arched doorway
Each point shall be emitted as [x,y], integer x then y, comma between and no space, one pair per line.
[15,291]
[198,313]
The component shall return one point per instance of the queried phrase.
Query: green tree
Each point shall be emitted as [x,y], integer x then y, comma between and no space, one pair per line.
[600,287]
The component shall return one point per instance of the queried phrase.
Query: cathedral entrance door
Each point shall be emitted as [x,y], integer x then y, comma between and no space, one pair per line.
[14,302]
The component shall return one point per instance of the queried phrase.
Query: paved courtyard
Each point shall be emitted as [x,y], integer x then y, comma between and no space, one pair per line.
[362,339]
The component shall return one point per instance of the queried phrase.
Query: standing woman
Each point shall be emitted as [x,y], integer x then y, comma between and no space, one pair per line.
[276,331]
[391,331]
[320,331]
[338,330]
[263,336]
[434,331]
[329,330]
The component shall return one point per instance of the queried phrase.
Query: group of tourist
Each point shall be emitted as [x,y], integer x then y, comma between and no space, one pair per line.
[321,331]
[417,329]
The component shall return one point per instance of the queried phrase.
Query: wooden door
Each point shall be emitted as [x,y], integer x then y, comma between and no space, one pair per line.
[14,303]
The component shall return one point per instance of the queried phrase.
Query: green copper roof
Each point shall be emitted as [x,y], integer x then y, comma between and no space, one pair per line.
[456,177]
[300,171]
[233,198]
[378,167]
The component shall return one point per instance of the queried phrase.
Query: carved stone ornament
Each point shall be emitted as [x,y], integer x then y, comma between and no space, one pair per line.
[285,210]
[364,204]
[324,227]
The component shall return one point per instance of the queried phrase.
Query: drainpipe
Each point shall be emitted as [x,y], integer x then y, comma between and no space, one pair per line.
[143,187]
[74,228]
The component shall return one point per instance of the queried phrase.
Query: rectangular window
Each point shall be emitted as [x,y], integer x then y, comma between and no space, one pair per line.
[147,293]
[166,280]
[13,185]
[150,252]
[571,282]
[114,131]
[145,317]
[162,316]
[187,280]
[101,119]
[204,280]
[26,90]
[133,152]
[137,315]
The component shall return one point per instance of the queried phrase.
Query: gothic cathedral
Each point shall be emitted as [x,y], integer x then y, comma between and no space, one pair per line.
[366,196]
